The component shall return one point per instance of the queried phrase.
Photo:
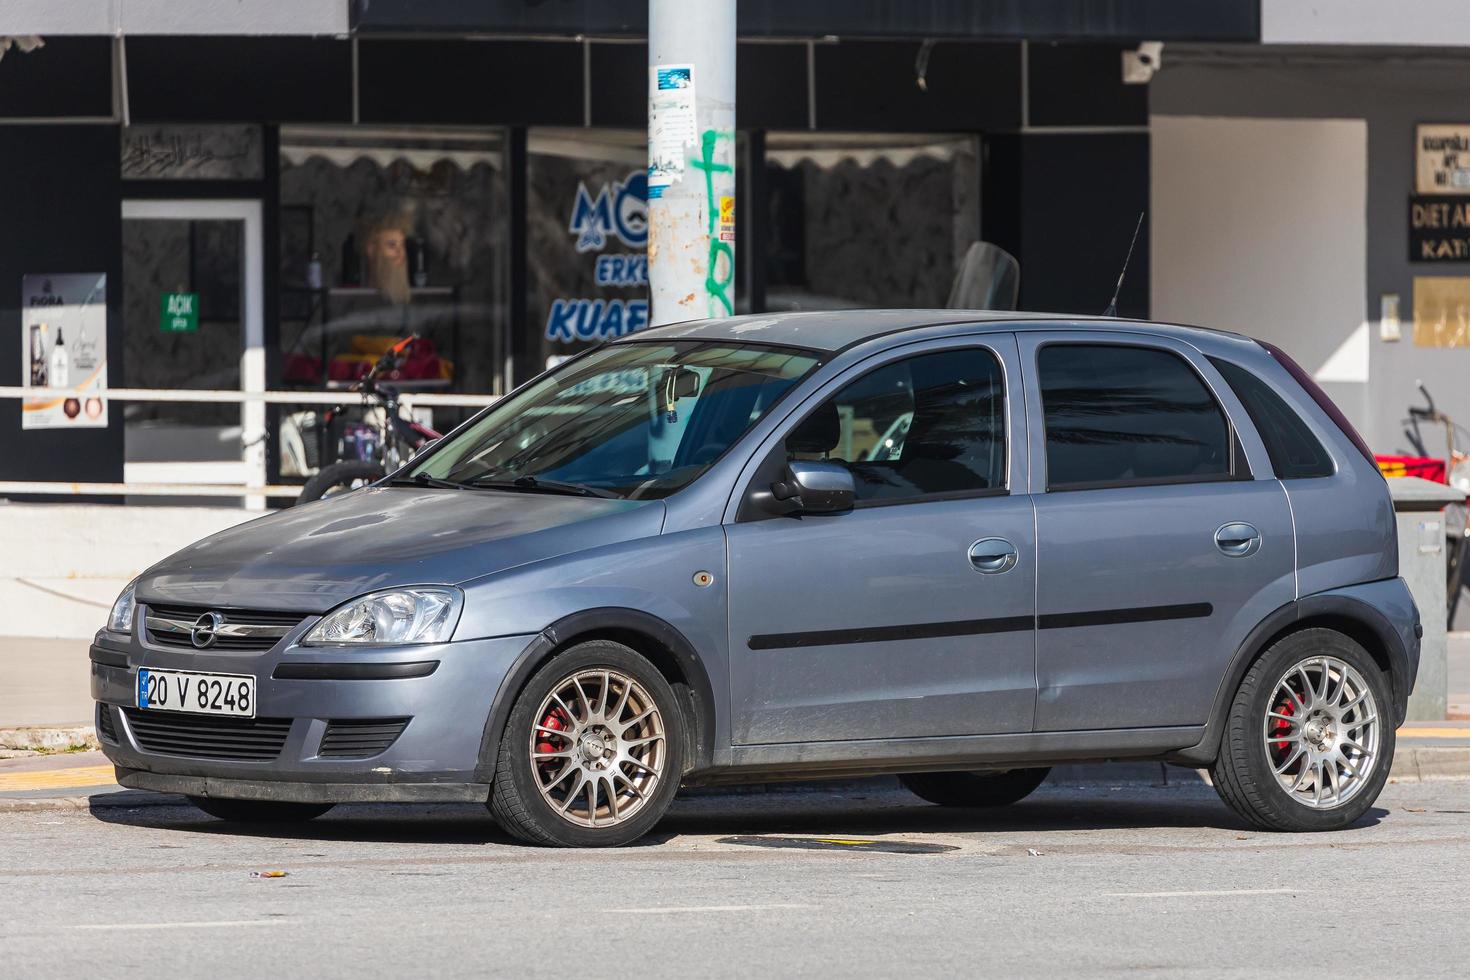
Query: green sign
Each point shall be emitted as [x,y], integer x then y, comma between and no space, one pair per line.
[179,313]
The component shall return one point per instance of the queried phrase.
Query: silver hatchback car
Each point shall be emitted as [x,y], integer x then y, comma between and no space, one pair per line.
[956,547]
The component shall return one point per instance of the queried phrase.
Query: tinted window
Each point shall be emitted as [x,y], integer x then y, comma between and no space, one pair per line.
[932,424]
[1128,415]
[1295,453]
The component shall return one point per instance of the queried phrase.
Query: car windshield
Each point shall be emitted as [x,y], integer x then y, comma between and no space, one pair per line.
[633,420]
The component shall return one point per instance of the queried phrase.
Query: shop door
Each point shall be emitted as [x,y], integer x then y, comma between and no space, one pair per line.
[192,321]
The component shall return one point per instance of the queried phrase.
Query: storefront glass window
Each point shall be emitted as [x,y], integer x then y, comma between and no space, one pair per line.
[386,233]
[867,220]
[587,215]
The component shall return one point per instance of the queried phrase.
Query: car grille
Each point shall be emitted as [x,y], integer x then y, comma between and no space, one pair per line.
[208,737]
[359,738]
[241,630]
[105,729]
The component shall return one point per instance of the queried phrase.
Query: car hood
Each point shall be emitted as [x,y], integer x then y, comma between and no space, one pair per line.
[313,557]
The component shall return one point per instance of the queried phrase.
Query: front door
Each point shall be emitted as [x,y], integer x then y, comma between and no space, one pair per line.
[192,319]
[911,615]
[1157,548]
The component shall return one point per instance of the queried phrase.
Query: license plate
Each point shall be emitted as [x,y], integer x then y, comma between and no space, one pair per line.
[196,692]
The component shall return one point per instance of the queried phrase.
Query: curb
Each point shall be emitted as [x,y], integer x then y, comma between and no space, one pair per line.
[1410,765]
[49,738]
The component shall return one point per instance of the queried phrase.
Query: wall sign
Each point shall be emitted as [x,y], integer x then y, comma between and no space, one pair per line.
[178,313]
[1439,228]
[191,153]
[63,334]
[616,214]
[1442,158]
[1442,311]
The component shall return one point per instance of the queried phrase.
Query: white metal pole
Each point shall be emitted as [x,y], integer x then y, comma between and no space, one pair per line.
[691,159]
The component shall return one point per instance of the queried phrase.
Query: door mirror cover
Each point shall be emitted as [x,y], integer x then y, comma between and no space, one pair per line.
[817,487]
[424,448]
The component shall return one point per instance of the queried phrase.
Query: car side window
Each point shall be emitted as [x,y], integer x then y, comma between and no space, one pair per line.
[1118,415]
[1295,453]
[924,426]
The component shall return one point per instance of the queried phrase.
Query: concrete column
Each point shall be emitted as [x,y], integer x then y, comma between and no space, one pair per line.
[691,159]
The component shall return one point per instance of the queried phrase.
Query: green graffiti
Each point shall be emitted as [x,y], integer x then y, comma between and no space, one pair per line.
[717,287]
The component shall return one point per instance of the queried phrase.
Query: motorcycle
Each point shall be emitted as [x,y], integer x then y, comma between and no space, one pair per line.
[1453,469]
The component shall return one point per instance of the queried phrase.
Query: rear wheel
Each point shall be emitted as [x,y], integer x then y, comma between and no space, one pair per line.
[259,811]
[593,751]
[975,789]
[1308,742]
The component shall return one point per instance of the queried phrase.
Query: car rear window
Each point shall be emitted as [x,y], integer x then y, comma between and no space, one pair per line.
[1295,453]
[1118,415]
[1320,397]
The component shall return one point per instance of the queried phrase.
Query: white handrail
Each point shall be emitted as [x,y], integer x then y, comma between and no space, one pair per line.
[230,396]
[59,488]
[227,396]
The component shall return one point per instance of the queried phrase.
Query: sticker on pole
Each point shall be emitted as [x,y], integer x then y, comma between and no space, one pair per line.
[671,124]
[727,219]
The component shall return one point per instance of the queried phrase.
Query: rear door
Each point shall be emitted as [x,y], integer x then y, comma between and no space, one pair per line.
[1163,536]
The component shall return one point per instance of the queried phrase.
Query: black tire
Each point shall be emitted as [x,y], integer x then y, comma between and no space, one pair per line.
[337,478]
[259,811]
[516,800]
[975,789]
[1243,772]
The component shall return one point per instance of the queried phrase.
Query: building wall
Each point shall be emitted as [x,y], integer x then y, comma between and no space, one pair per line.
[1428,22]
[1391,95]
[48,17]
[1252,233]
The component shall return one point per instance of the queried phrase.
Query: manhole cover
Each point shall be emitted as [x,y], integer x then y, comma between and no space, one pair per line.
[842,844]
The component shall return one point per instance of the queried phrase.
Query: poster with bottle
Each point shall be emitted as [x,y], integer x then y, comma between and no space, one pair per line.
[64,346]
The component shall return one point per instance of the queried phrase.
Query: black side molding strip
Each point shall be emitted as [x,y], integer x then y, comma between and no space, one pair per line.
[353,671]
[978,627]
[109,658]
[1114,617]
[878,634]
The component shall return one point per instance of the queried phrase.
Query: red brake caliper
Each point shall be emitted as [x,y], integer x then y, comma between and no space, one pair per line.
[557,720]
[1280,726]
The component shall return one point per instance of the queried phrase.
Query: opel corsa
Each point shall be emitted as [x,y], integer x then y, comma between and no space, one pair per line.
[956,547]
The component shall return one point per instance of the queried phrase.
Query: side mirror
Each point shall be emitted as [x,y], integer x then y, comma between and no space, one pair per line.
[424,448]
[816,488]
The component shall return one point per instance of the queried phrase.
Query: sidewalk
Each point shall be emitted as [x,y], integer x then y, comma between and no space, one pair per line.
[46,683]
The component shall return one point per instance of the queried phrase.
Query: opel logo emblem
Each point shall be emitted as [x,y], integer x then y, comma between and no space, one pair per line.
[206,629]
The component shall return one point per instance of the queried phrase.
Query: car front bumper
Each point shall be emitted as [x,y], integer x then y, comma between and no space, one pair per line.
[443,691]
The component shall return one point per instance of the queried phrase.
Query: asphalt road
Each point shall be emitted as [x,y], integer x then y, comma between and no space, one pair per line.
[1073,881]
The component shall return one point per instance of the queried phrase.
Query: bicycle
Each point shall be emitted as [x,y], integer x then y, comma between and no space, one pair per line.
[367,451]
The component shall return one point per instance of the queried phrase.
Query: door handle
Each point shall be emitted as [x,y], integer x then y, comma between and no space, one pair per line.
[1238,540]
[993,556]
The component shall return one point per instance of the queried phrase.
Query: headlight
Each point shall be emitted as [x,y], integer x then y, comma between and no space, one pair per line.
[426,615]
[120,620]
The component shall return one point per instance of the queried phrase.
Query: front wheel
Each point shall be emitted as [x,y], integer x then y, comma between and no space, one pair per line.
[593,751]
[339,478]
[981,789]
[259,811]
[1308,741]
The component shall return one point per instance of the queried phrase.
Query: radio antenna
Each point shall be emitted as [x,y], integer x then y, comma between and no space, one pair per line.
[1112,309]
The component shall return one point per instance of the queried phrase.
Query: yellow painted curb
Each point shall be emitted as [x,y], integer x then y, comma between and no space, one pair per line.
[57,778]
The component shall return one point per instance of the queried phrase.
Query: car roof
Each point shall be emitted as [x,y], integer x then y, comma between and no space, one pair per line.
[835,330]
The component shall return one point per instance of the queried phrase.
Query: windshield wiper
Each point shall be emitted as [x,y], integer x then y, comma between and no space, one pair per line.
[536,484]
[424,480]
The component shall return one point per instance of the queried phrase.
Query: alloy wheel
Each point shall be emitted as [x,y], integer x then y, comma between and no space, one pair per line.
[1322,732]
[598,749]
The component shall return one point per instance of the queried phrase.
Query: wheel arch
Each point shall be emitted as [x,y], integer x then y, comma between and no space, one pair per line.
[1351,616]
[662,644]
